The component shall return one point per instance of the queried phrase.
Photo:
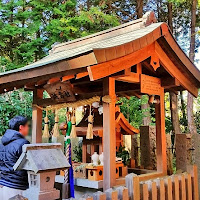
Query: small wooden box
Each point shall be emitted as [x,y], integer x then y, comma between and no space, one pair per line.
[80,171]
[95,173]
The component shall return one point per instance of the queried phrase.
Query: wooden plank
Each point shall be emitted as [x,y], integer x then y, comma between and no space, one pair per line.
[176,195]
[37,118]
[168,185]
[107,68]
[188,186]
[145,177]
[136,188]
[150,85]
[145,191]
[193,170]
[174,71]
[162,189]
[111,195]
[102,196]
[154,191]
[160,135]
[182,186]
[125,194]
[109,136]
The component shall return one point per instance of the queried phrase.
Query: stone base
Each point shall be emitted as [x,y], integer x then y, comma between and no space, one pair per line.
[42,195]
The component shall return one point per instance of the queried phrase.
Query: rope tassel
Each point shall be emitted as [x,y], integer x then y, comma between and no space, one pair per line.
[73,131]
[89,134]
[46,128]
[55,128]
[45,136]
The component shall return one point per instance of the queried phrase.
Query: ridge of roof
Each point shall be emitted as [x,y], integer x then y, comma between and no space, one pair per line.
[147,19]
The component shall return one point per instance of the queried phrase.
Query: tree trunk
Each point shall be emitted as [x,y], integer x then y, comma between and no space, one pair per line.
[139,8]
[190,114]
[173,96]
[147,119]
[183,109]
[174,113]
[170,16]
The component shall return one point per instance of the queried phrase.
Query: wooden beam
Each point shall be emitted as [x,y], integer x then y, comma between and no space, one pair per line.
[139,68]
[44,74]
[107,68]
[149,67]
[131,78]
[174,71]
[109,135]
[127,71]
[81,75]
[67,78]
[169,82]
[37,118]
[53,80]
[160,134]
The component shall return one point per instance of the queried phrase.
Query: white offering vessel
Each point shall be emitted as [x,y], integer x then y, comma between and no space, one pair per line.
[95,158]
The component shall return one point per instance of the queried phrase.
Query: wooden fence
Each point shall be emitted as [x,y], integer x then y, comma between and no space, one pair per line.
[183,186]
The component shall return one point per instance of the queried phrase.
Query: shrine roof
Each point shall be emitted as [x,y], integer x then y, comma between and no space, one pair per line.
[107,48]
[121,122]
[42,157]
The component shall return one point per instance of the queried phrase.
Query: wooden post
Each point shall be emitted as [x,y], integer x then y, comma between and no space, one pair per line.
[91,150]
[109,136]
[160,134]
[37,118]
[84,153]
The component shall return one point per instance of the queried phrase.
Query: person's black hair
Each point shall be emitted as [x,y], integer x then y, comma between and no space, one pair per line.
[15,122]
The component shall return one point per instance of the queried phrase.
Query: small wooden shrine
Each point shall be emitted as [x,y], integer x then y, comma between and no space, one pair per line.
[136,58]
[123,127]
[41,175]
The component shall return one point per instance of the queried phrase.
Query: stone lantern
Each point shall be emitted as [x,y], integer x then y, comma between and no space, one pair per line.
[41,161]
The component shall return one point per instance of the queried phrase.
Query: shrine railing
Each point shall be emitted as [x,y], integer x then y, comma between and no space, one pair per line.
[182,186]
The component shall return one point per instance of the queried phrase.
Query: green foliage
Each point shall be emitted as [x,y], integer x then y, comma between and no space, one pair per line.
[78,152]
[28,29]
[12,104]
[131,108]
[123,154]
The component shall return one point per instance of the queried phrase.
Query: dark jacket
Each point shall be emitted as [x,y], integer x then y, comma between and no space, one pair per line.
[10,151]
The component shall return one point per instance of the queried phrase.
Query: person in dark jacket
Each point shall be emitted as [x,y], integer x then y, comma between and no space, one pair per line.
[13,182]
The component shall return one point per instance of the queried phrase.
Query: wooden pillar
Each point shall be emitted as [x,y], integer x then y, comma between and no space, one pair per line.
[109,136]
[84,153]
[37,118]
[160,134]
[91,150]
